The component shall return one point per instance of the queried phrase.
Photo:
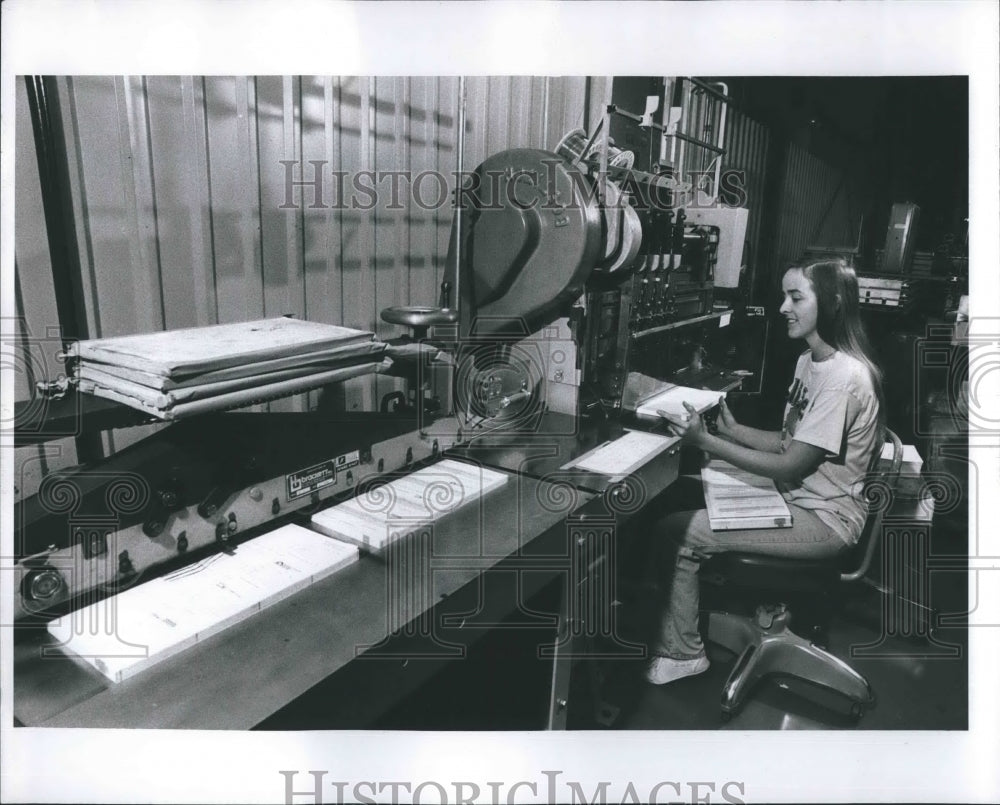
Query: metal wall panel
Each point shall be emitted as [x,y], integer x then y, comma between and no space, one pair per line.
[815,207]
[747,146]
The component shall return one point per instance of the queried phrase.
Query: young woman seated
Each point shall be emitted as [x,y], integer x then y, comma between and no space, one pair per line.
[832,425]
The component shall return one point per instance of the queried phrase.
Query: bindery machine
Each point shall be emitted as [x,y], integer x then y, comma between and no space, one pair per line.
[572,294]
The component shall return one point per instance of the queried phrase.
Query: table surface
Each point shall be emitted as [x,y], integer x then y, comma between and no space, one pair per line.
[239,677]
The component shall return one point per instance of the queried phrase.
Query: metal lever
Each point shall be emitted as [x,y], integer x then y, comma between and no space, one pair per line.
[419,318]
[517,396]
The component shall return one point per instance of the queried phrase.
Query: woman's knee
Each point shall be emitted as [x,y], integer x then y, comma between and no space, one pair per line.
[679,528]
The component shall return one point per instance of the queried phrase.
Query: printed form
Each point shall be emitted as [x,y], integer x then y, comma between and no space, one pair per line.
[623,455]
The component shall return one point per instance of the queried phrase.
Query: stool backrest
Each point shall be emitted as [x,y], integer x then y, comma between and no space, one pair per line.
[879,483]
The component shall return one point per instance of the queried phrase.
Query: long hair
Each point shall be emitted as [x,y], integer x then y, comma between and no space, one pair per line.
[839,319]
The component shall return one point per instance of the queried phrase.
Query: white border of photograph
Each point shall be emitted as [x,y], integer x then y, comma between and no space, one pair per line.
[712,38]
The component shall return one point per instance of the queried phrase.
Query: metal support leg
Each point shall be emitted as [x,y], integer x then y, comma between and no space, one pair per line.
[562,666]
[767,646]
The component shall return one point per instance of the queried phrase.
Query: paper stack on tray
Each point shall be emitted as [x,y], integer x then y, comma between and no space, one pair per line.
[408,504]
[178,373]
[150,622]
[671,400]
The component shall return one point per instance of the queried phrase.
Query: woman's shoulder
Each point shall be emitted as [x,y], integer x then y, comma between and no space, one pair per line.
[853,373]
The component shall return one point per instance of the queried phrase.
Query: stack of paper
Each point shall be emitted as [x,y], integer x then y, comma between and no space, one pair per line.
[144,625]
[182,372]
[671,401]
[737,499]
[388,512]
[625,454]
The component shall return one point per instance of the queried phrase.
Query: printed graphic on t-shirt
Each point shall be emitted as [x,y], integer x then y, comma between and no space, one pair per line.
[798,399]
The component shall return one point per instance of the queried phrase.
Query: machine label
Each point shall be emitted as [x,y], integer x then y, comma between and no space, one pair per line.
[348,460]
[307,481]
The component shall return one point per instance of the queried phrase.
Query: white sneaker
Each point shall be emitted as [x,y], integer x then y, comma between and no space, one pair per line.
[662,670]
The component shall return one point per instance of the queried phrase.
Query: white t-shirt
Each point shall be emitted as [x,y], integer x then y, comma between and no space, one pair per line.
[832,405]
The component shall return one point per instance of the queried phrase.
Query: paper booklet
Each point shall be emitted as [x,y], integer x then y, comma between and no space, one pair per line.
[148,623]
[250,373]
[672,401]
[177,353]
[624,455]
[93,376]
[737,499]
[407,504]
[163,406]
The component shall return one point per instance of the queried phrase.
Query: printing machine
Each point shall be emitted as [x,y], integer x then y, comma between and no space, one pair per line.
[575,295]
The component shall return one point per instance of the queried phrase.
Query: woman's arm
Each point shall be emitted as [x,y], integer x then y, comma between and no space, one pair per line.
[765,440]
[797,461]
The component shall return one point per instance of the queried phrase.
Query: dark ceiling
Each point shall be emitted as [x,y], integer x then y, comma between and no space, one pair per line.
[909,133]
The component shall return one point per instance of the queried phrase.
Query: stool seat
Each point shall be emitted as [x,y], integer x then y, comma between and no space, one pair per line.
[754,570]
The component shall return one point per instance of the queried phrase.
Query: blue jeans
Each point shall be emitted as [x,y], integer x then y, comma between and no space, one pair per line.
[684,539]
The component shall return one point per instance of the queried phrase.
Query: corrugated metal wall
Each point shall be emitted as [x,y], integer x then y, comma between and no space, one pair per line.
[818,206]
[185,215]
[748,146]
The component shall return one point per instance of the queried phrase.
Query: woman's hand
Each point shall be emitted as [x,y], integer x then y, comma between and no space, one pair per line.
[726,422]
[690,428]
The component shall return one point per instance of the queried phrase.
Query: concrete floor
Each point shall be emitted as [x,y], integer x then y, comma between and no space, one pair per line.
[919,675]
[918,672]
[912,692]
[920,683]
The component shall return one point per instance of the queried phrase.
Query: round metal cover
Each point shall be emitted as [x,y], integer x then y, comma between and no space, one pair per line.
[623,230]
[531,236]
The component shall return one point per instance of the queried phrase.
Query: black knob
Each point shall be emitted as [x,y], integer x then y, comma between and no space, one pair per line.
[169,496]
[125,566]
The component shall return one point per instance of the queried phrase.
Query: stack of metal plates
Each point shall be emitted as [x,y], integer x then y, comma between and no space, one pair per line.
[178,373]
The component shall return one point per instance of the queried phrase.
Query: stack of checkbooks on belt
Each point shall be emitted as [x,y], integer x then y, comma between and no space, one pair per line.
[178,373]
